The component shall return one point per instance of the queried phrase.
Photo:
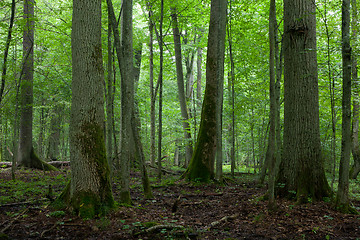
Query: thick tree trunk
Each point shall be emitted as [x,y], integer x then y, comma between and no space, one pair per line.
[302,167]
[342,197]
[201,166]
[181,90]
[89,193]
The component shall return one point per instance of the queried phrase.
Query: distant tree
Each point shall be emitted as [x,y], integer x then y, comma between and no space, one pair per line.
[201,166]
[302,168]
[89,193]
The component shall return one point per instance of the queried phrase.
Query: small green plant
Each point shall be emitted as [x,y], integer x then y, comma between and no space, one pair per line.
[57,214]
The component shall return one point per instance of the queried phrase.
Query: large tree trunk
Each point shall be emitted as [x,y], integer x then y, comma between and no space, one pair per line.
[355,126]
[201,166]
[181,90]
[89,192]
[302,169]
[342,197]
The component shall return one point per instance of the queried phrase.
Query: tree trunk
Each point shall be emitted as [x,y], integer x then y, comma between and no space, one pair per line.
[271,153]
[110,99]
[152,92]
[355,126]
[302,169]
[201,166]
[26,154]
[160,81]
[180,84]
[55,130]
[127,98]
[6,51]
[136,123]
[342,197]
[89,193]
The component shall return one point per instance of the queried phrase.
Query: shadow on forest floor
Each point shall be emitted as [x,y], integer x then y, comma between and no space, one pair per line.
[201,211]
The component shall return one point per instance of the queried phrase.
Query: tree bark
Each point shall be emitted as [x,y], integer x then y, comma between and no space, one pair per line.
[342,197]
[355,124]
[201,166]
[302,169]
[89,193]
[6,51]
[136,123]
[160,81]
[26,154]
[110,99]
[181,90]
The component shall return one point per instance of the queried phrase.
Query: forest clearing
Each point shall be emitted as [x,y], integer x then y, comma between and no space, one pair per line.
[235,210]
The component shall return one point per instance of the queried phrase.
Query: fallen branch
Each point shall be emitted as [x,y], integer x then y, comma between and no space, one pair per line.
[15,219]
[224,219]
[159,228]
[24,203]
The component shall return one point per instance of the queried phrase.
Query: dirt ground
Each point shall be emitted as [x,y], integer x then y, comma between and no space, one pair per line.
[201,211]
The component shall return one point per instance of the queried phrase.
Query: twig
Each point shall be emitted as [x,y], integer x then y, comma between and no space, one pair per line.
[15,219]
[24,203]
[224,219]
[157,228]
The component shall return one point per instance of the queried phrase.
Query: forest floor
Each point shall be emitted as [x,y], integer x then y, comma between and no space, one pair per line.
[203,211]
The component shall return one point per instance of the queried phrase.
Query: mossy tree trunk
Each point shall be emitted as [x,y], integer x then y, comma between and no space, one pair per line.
[201,167]
[26,155]
[302,170]
[342,197]
[90,191]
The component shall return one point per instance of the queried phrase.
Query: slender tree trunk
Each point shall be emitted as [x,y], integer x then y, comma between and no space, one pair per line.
[136,123]
[152,90]
[6,51]
[342,197]
[127,98]
[181,91]
[271,154]
[160,80]
[355,126]
[110,100]
[201,166]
